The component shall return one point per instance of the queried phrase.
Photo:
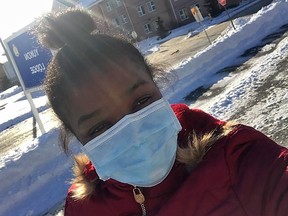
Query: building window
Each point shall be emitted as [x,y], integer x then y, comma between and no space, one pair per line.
[108,6]
[124,19]
[118,3]
[151,6]
[141,11]
[147,28]
[183,13]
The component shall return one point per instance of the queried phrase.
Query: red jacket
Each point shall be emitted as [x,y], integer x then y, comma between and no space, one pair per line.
[243,174]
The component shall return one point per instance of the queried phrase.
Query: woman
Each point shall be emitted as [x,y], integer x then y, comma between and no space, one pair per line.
[143,156]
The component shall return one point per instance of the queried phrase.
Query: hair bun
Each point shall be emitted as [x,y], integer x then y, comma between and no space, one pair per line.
[68,27]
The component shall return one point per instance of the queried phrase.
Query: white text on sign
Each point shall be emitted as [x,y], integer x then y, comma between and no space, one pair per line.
[37,68]
[31,54]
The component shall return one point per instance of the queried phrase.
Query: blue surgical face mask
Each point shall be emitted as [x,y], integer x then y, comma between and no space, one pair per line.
[140,149]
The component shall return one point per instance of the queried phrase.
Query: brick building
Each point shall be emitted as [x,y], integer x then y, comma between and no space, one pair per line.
[141,15]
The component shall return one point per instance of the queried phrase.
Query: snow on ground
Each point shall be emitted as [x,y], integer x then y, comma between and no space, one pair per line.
[235,93]
[35,181]
[256,93]
[225,50]
[34,178]
[14,99]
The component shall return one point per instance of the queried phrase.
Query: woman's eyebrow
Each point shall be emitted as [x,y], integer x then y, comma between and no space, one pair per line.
[136,85]
[86,117]
[131,89]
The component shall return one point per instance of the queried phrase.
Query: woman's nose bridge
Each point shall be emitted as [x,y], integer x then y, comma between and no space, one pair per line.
[121,111]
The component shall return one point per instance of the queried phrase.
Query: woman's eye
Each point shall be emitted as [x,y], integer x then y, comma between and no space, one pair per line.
[98,129]
[141,103]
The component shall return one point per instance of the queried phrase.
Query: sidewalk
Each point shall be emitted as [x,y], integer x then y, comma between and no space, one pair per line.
[177,49]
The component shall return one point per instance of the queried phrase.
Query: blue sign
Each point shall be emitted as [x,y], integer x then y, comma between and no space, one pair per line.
[30,57]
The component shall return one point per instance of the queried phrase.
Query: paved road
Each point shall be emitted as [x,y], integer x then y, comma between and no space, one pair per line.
[262,107]
[179,48]
[268,101]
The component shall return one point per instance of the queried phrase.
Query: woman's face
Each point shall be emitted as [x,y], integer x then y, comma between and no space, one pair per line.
[108,97]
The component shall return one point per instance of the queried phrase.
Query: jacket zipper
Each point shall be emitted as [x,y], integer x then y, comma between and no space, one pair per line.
[139,198]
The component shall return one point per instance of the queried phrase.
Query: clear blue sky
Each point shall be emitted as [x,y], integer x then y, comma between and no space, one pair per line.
[16,14]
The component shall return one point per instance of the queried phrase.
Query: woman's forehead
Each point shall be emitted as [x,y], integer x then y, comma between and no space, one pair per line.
[109,86]
[124,69]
